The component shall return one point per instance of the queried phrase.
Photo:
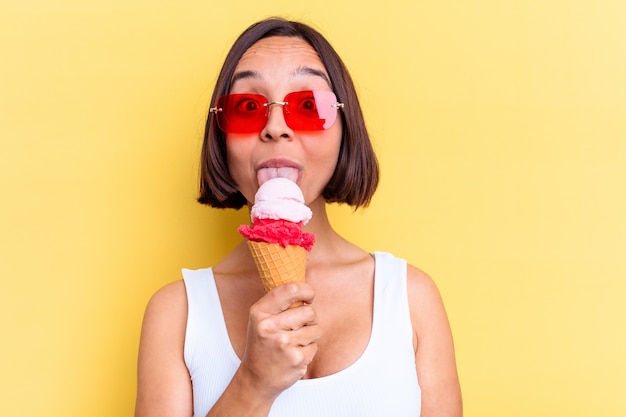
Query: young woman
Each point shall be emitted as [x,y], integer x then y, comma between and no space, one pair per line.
[372,338]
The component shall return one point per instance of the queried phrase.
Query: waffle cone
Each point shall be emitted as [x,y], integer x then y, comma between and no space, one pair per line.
[278,265]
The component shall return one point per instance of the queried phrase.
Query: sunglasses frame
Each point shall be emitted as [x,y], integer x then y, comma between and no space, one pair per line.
[335,104]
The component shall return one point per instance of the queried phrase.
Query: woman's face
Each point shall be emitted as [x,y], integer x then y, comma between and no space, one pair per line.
[274,67]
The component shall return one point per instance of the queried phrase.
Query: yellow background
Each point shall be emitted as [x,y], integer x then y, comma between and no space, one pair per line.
[501,131]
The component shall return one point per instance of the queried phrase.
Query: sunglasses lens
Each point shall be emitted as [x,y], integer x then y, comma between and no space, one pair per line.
[242,113]
[310,110]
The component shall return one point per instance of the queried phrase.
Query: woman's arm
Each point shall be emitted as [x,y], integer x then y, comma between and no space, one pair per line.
[163,382]
[434,355]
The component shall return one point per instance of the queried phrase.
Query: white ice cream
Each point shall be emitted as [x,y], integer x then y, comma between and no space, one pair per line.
[280,198]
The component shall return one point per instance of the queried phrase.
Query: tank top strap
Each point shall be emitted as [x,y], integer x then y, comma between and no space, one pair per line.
[206,335]
[392,323]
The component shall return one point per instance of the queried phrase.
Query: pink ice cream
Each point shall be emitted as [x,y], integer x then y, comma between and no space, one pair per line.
[278,215]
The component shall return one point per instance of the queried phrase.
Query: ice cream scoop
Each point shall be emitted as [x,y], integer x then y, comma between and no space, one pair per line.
[280,198]
[278,215]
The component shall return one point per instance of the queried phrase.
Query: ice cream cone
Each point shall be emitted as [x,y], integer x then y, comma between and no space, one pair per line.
[278,265]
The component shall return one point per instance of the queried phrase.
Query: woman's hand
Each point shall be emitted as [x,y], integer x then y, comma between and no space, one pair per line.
[281,341]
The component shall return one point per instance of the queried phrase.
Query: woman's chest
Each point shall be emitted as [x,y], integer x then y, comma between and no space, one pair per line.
[345,320]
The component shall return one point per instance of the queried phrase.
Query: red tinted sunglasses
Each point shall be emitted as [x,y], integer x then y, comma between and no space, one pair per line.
[303,110]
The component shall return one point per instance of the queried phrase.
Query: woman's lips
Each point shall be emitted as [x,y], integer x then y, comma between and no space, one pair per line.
[290,173]
[278,168]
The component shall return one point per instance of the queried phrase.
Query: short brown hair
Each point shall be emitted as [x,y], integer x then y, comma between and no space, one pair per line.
[356,175]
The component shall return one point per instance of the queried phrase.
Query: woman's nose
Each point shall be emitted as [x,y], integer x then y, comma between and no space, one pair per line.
[276,126]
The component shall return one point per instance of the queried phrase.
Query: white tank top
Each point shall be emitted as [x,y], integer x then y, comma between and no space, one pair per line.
[381,383]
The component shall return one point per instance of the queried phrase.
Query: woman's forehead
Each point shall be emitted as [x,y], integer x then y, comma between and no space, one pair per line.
[280,58]
[279,51]
[280,44]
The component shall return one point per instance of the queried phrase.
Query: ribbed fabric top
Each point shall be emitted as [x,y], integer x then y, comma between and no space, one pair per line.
[381,383]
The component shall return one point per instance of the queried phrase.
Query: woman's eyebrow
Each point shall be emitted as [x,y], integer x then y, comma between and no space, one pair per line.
[245,74]
[312,71]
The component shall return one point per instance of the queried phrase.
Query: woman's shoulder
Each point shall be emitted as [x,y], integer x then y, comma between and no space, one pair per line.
[417,277]
[421,287]
[169,293]
[168,303]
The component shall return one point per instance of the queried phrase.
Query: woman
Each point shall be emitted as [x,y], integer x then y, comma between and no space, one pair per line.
[372,338]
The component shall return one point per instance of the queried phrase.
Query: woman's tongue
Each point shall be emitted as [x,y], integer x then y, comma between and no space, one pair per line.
[265,174]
